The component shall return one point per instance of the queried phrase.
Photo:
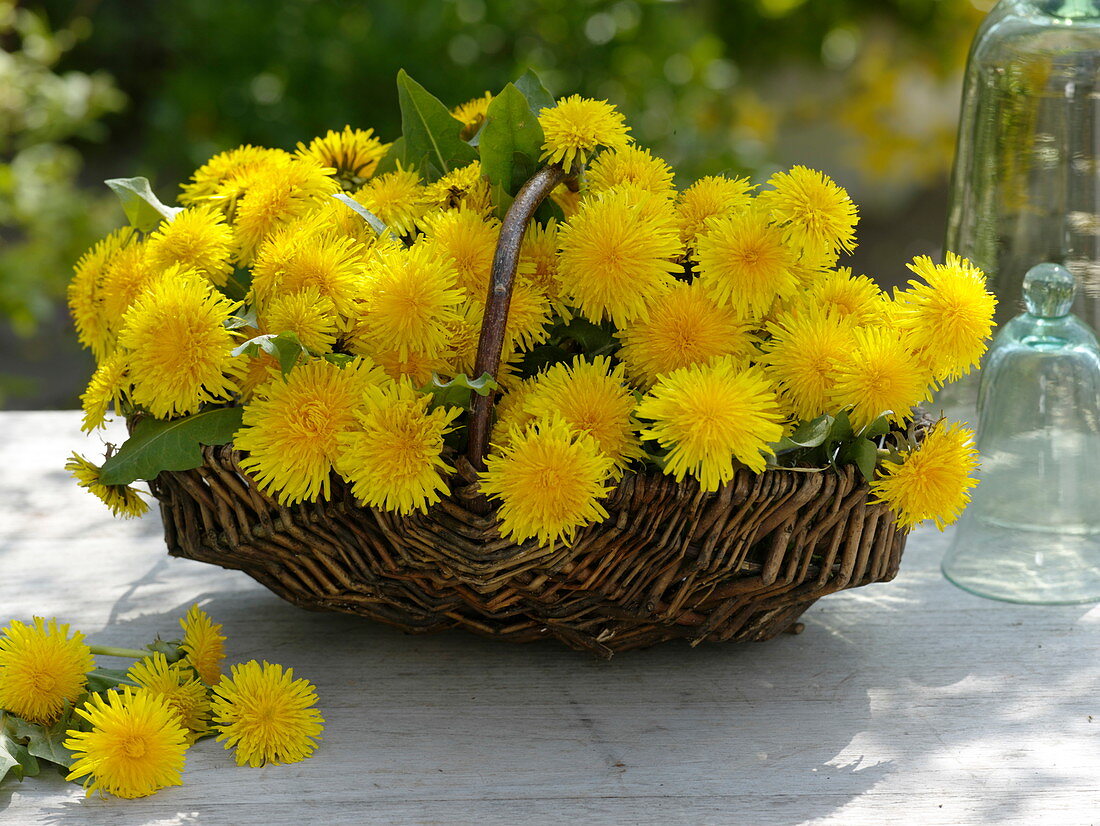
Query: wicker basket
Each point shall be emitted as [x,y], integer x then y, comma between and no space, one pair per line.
[670,561]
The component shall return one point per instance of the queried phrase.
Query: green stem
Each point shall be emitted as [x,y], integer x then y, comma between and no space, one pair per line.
[111,651]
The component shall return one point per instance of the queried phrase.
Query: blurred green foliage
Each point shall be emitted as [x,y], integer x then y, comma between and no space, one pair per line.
[46,218]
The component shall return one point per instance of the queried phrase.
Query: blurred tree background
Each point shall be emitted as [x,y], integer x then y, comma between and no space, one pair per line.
[866,90]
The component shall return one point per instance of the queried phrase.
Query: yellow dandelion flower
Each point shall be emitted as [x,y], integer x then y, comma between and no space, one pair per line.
[528,317]
[707,416]
[685,327]
[126,277]
[396,198]
[179,688]
[107,387]
[226,176]
[203,645]
[258,369]
[416,367]
[392,458]
[179,347]
[949,317]
[278,197]
[469,241]
[549,479]
[568,199]
[803,354]
[411,300]
[539,264]
[41,669]
[933,481]
[472,114]
[630,165]
[308,314]
[135,748]
[711,197]
[510,412]
[292,425]
[338,218]
[880,374]
[745,263]
[267,715]
[305,255]
[123,500]
[353,153]
[85,293]
[592,398]
[615,260]
[463,334]
[577,126]
[198,238]
[856,298]
[462,187]
[813,267]
[816,215]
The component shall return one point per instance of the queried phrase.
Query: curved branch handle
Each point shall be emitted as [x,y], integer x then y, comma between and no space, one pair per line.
[505,261]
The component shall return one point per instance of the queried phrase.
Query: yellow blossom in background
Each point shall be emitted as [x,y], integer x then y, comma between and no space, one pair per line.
[224,178]
[308,314]
[549,479]
[539,264]
[569,199]
[816,215]
[202,645]
[469,241]
[577,126]
[510,414]
[123,500]
[462,187]
[353,153]
[266,715]
[856,298]
[393,457]
[197,238]
[129,273]
[711,197]
[135,748]
[41,669]
[709,415]
[178,687]
[615,259]
[412,297]
[879,375]
[278,197]
[745,263]
[592,398]
[85,293]
[803,355]
[630,165]
[305,255]
[396,198]
[528,316]
[417,367]
[948,318]
[933,481]
[292,426]
[684,327]
[178,346]
[472,114]
[105,389]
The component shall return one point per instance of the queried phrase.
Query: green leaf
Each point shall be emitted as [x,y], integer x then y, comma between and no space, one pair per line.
[812,433]
[862,453]
[392,158]
[511,140]
[15,758]
[879,427]
[339,359]
[104,679]
[157,445]
[284,347]
[456,392]
[537,96]
[592,338]
[245,319]
[364,213]
[237,284]
[46,743]
[433,143]
[142,207]
[839,431]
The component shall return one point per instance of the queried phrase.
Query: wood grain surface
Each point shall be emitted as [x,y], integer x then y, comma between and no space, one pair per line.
[910,702]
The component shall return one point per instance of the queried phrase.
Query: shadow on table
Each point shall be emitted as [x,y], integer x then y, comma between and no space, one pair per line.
[771,733]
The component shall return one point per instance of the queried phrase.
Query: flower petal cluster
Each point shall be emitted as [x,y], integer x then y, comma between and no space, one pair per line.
[42,668]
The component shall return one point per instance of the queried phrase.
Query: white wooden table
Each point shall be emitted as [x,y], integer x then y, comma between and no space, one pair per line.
[910,702]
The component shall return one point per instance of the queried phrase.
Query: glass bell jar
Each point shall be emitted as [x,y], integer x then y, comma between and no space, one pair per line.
[1026,180]
[1032,530]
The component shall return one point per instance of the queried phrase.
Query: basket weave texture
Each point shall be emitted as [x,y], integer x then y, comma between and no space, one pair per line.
[670,562]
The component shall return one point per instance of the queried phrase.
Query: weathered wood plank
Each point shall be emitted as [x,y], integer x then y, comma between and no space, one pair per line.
[910,701]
